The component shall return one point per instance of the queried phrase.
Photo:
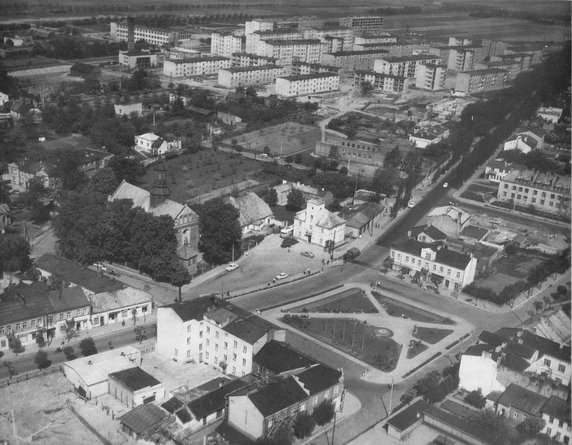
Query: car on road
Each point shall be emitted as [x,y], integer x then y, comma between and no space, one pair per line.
[307,253]
[101,267]
[231,267]
[445,185]
[281,276]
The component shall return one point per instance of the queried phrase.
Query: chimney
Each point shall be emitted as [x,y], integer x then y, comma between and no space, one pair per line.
[130,34]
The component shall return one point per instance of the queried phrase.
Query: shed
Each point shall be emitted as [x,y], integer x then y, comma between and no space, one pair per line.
[134,387]
[144,420]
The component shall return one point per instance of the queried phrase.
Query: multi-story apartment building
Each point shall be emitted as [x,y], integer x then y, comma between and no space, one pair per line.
[247,59]
[431,76]
[387,83]
[258,25]
[545,192]
[396,49]
[153,36]
[456,270]
[459,41]
[301,68]
[405,66]
[366,39]
[291,86]
[350,61]
[213,332]
[364,24]
[338,32]
[286,51]
[480,81]
[458,58]
[225,44]
[493,48]
[249,75]
[253,40]
[179,52]
[512,68]
[525,59]
[195,67]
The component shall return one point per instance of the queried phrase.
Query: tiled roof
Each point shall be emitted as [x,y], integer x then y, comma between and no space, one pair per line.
[278,357]
[4,209]
[172,405]
[277,396]
[249,329]
[404,419]
[522,399]
[444,256]
[135,378]
[143,418]
[118,299]
[363,215]
[252,208]
[318,378]
[68,298]
[537,343]
[24,301]
[192,309]
[433,232]
[558,408]
[214,401]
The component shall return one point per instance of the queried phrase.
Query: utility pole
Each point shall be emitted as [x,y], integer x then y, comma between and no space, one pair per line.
[391,397]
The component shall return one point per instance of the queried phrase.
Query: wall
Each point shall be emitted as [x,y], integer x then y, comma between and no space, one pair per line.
[477,372]
[244,416]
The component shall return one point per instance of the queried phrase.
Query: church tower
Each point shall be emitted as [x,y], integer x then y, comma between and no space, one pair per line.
[160,191]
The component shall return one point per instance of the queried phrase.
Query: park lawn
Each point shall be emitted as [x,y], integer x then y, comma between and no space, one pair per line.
[472,196]
[348,301]
[352,337]
[432,335]
[397,308]
[416,350]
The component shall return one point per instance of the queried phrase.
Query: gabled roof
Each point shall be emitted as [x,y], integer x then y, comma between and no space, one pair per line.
[318,378]
[172,405]
[363,215]
[558,408]
[431,231]
[251,207]
[278,357]
[24,301]
[191,309]
[249,329]
[404,419]
[214,401]
[508,358]
[4,209]
[149,136]
[522,399]
[277,396]
[135,378]
[474,232]
[465,426]
[452,212]
[68,298]
[143,418]
[443,256]
[118,299]
[537,343]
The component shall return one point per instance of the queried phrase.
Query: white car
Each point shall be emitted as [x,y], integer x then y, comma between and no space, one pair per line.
[281,276]
[231,267]
[445,185]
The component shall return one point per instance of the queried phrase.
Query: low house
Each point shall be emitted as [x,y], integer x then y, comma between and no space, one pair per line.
[143,421]
[363,219]
[448,219]
[134,387]
[525,140]
[90,375]
[555,326]
[400,425]
[20,175]
[151,144]
[427,234]
[277,358]
[282,217]
[309,192]
[556,415]
[518,403]
[456,427]
[115,306]
[228,118]
[3,98]
[550,114]
[128,109]
[255,214]
[318,225]
[497,169]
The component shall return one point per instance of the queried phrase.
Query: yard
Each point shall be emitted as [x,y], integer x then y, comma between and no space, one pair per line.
[367,343]
[416,349]
[348,301]
[431,335]
[398,309]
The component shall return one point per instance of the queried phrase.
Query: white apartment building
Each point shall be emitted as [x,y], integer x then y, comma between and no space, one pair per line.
[249,75]
[286,51]
[364,24]
[458,58]
[406,66]
[431,76]
[153,36]
[387,83]
[366,39]
[546,192]
[456,270]
[213,332]
[480,81]
[253,40]
[318,225]
[556,415]
[195,66]
[340,32]
[353,60]
[247,59]
[307,84]
[258,25]
[225,44]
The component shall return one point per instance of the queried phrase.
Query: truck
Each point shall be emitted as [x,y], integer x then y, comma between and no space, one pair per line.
[351,254]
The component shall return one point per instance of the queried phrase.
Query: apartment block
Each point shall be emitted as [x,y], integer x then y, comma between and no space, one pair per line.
[545,192]
[493,47]
[458,58]
[480,81]
[525,59]
[302,68]
[249,75]
[307,84]
[364,24]
[286,51]
[353,60]
[138,59]
[225,44]
[387,83]
[258,25]
[366,39]
[513,68]
[195,66]
[326,34]
[153,36]
[406,66]
[431,76]
[247,59]
[253,40]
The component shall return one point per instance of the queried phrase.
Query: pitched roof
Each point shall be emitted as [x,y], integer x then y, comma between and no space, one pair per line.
[277,396]
[278,357]
[251,207]
[443,255]
[77,273]
[172,405]
[118,299]
[68,298]
[363,215]
[537,343]
[215,400]
[452,212]
[431,231]
[4,208]
[522,399]
[24,301]
[249,329]
[468,427]
[319,377]
[142,418]
[558,408]
[135,378]
[474,232]
[404,419]
[329,220]
[191,309]
[508,358]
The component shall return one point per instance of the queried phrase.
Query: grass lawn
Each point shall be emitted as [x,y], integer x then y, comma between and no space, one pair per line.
[397,309]
[496,282]
[518,265]
[479,188]
[472,196]
[348,301]
[416,350]
[353,337]
[432,335]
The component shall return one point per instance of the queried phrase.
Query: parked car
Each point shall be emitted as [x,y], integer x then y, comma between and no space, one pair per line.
[281,276]
[231,267]
[307,253]
[351,254]
[102,267]
[445,185]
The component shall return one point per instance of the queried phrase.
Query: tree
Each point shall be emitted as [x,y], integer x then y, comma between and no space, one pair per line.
[476,399]
[324,412]
[408,395]
[14,253]
[538,306]
[271,197]
[495,425]
[295,200]
[128,169]
[219,230]
[384,181]
[562,291]
[531,426]
[87,347]
[42,360]
[103,181]
[179,276]
[68,328]
[40,340]
[366,88]
[393,158]
[283,435]
[15,344]
[67,162]
[303,425]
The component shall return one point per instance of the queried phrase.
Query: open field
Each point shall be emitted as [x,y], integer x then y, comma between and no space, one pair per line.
[348,301]
[431,335]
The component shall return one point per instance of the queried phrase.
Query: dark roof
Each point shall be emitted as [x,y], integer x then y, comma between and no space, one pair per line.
[77,274]
[143,418]
[249,329]
[363,215]
[522,399]
[24,301]
[281,214]
[432,231]
[232,435]
[404,419]
[135,378]
[277,396]
[474,232]
[558,408]
[183,415]
[215,400]
[172,405]
[443,256]
[68,298]
[490,338]
[192,309]
[278,357]
[537,343]
[470,428]
[318,378]
[508,358]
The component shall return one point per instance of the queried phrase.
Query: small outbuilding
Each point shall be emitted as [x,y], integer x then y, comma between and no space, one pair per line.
[144,421]
[134,387]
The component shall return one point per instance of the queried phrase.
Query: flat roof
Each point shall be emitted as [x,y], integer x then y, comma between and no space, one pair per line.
[309,76]
[407,417]
[135,378]
[242,69]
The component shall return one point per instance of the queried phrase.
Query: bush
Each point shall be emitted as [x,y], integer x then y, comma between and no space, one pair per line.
[69,353]
[42,360]
[87,347]
[288,241]
[476,399]
[303,425]
[324,413]
[15,344]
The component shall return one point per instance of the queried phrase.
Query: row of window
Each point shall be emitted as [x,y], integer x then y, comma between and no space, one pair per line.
[548,363]
[533,200]
[534,192]
[40,321]
[413,260]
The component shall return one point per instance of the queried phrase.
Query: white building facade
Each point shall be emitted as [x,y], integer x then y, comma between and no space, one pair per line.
[307,84]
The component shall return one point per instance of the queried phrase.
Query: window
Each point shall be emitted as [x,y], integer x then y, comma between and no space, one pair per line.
[551,420]
[561,368]
[208,329]
[225,358]
[200,346]
[244,349]
[235,344]
[225,345]
[17,326]
[189,328]
[188,353]
[515,415]
[458,274]
[243,362]
[208,342]
[68,315]
[61,317]
[24,324]
[200,334]
[216,347]
[547,362]
[234,369]
[207,354]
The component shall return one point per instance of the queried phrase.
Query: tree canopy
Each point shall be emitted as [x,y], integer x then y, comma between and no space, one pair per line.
[14,253]
[295,200]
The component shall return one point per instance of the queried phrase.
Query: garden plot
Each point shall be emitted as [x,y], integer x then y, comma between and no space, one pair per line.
[348,301]
[399,309]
